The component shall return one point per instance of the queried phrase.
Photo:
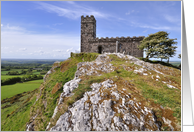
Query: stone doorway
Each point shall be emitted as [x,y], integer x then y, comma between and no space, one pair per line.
[100,49]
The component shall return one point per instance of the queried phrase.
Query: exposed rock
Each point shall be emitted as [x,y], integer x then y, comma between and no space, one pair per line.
[95,112]
[30,126]
[95,67]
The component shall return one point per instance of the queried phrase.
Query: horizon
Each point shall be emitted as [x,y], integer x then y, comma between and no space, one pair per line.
[52,29]
[58,59]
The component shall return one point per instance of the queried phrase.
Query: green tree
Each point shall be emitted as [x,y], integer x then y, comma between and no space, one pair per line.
[158,45]
[179,56]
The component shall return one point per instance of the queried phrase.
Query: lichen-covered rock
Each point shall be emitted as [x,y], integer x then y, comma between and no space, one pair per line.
[100,65]
[97,112]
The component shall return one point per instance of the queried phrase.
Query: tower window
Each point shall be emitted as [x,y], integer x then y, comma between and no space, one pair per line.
[86,25]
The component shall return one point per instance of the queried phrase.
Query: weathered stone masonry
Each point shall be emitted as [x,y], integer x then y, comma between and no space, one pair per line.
[89,42]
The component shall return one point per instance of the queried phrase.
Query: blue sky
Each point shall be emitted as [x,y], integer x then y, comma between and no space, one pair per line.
[51,29]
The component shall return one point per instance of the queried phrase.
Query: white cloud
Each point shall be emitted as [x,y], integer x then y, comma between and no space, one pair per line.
[58,50]
[145,31]
[70,2]
[68,50]
[71,11]
[13,28]
[57,24]
[77,51]
[4,48]
[172,19]
[1,25]
[22,49]
[38,44]
[129,12]
[155,26]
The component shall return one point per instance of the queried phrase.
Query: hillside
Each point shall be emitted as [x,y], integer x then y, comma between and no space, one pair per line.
[107,92]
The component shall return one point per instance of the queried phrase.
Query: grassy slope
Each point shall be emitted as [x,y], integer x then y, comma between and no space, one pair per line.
[64,73]
[15,113]
[8,91]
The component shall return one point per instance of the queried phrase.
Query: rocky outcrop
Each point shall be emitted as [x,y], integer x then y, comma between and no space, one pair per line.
[107,106]
[100,65]
[97,112]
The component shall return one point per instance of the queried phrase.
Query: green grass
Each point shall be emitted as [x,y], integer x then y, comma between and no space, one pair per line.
[35,81]
[55,77]
[19,113]
[8,91]
[164,96]
[5,72]
[9,76]
[36,73]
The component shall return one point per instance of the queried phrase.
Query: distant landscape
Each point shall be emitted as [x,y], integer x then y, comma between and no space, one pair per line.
[29,72]
[20,79]
[175,63]
[23,70]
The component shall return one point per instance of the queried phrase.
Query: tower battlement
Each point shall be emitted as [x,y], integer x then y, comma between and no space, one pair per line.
[87,19]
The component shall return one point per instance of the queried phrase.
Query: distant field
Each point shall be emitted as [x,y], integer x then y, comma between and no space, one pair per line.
[35,81]
[10,76]
[36,73]
[175,63]
[29,61]
[5,72]
[8,91]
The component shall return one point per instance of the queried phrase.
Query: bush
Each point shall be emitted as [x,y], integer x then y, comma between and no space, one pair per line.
[10,81]
[43,72]
[20,79]
[13,73]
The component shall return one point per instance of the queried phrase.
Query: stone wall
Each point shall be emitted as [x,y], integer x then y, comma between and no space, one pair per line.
[126,45]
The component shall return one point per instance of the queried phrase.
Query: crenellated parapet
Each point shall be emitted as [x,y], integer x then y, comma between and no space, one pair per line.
[120,39]
[87,19]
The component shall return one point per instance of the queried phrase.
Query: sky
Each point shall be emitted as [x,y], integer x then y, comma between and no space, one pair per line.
[52,29]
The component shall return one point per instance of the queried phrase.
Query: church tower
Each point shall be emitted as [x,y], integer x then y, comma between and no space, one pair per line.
[88,31]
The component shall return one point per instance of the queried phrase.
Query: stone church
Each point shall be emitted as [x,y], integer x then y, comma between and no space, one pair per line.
[91,43]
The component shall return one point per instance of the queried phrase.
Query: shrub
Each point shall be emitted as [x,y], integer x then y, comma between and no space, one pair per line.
[10,81]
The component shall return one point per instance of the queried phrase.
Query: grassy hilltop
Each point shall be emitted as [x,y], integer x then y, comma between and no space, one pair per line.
[149,88]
